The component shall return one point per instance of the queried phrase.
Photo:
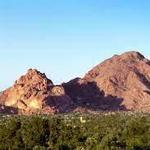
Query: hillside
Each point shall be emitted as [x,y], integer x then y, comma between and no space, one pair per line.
[121,82]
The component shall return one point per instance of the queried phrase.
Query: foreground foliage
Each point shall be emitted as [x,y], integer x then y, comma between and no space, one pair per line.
[104,131]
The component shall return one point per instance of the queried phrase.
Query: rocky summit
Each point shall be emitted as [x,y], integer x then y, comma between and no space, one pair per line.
[34,93]
[121,82]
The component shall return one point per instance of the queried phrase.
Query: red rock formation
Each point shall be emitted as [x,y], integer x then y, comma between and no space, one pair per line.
[124,80]
[34,93]
[119,83]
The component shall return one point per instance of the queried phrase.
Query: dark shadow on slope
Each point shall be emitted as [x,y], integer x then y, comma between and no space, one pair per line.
[143,79]
[61,103]
[8,110]
[88,95]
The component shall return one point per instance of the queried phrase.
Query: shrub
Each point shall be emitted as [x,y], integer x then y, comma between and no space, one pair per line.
[116,131]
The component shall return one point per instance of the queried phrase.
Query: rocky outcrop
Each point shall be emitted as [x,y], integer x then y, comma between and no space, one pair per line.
[34,93]
[123,80]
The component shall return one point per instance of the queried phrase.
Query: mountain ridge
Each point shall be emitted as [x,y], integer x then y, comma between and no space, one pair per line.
[121,82]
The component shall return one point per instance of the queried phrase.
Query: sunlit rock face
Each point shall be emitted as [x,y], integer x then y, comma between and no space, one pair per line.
[34,92]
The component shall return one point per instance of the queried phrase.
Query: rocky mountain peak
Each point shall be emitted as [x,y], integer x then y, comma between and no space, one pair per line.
[34,92]
[131,56]
[34,78]
[123,79]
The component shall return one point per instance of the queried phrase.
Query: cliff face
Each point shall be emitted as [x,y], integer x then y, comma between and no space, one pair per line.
[34,93]
[121,82]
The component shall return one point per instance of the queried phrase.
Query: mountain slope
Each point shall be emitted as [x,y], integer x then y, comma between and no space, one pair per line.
[123,78]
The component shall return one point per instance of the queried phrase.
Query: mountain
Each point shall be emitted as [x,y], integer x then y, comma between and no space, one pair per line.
[119,83]
[34,93]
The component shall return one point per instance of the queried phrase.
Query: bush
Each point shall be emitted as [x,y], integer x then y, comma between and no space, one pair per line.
[116,131]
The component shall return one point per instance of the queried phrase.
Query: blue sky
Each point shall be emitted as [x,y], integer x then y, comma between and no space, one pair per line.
[65,38]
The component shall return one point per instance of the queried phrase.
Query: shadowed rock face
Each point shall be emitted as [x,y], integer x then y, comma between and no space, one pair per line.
[123,78]
[34,93]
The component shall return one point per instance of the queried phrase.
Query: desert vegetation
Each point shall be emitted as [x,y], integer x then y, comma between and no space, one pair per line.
[116,131]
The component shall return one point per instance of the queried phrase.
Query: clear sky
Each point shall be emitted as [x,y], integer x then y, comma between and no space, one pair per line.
[65,38]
